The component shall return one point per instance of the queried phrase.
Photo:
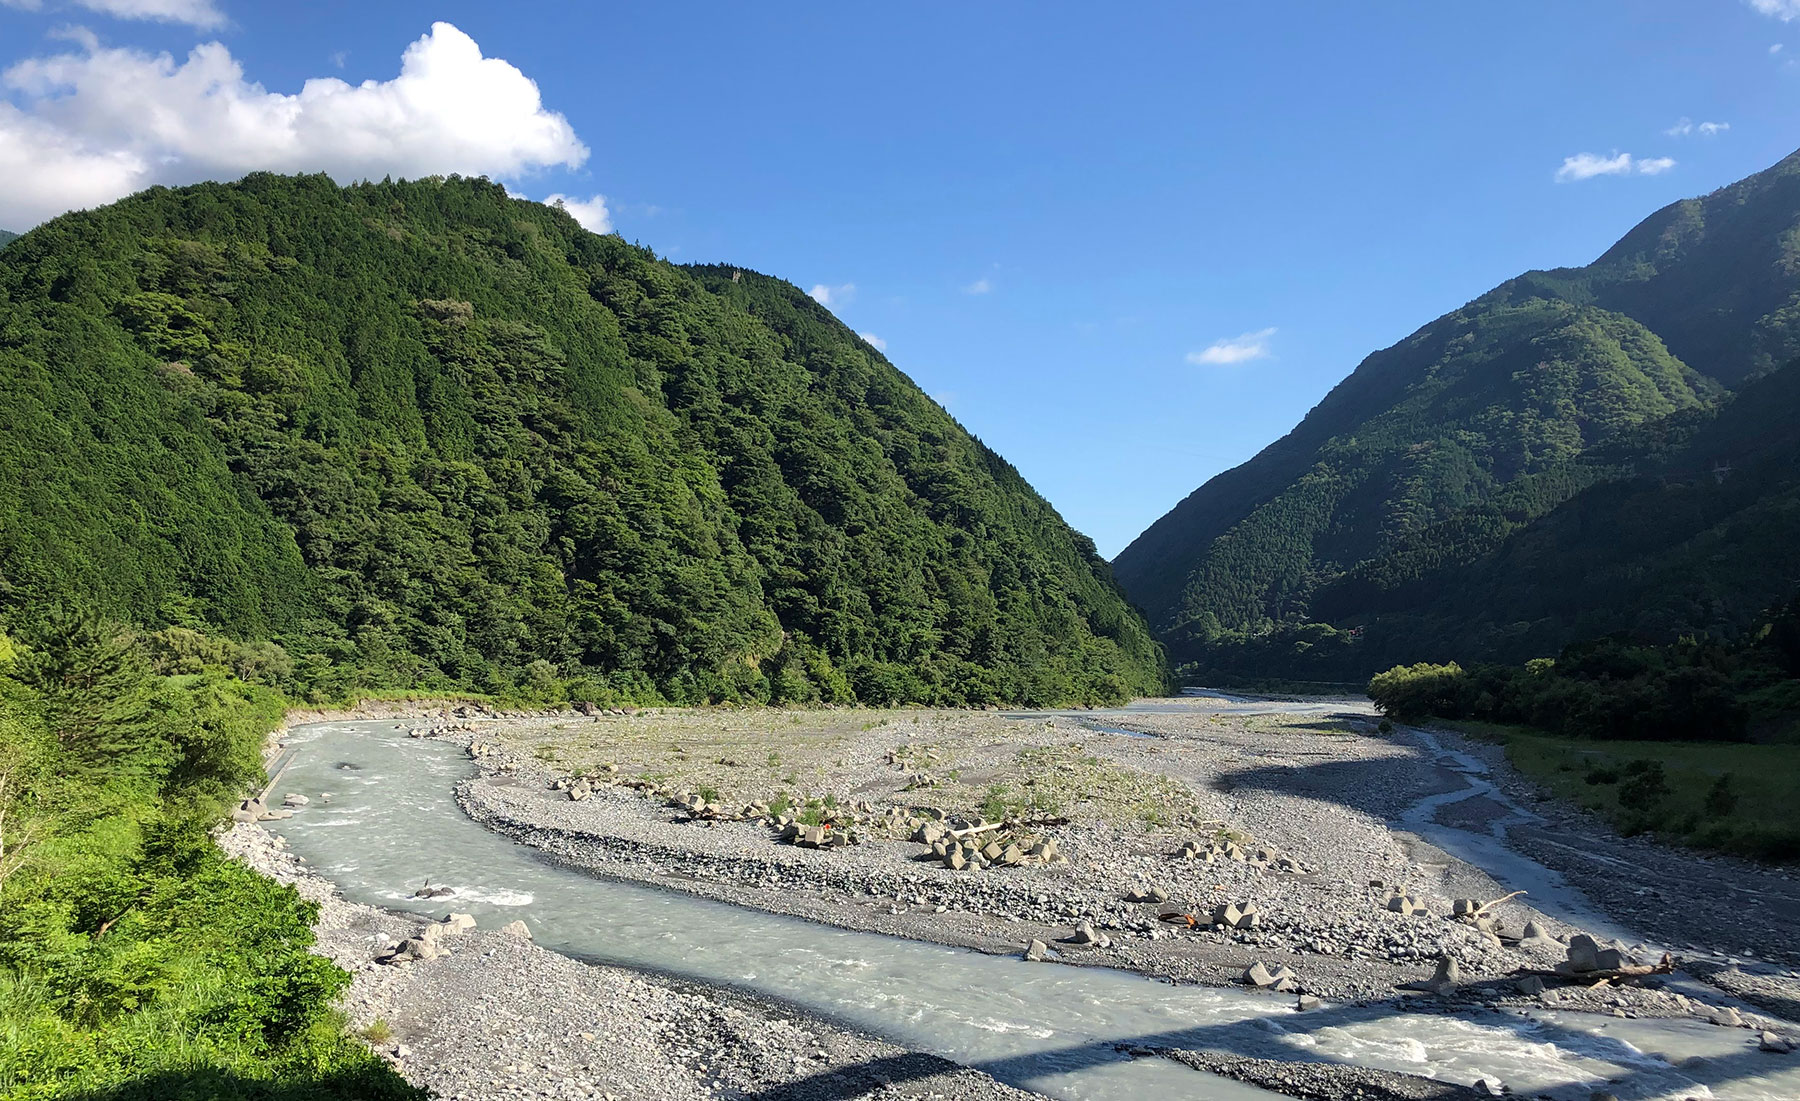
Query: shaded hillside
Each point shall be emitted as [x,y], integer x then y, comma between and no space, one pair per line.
[1435,451]
[423,434]
[6,236]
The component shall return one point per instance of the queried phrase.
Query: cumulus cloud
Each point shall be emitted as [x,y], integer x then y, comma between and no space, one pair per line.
[980,286]
[1585,166]
[195,13]
[1705,129]
[1785,10]
[590,212]
[840,295]
[138,119]
[1238,349]
[874,341]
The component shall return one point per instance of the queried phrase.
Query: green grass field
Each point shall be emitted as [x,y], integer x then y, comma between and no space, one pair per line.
[1761,818]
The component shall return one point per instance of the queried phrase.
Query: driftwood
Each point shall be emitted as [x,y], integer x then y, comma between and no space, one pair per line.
[1486,906]
[973,830]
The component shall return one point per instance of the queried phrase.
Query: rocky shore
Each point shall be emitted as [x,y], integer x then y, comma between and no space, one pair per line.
[1344,906]
[1185,844]
[495,1017]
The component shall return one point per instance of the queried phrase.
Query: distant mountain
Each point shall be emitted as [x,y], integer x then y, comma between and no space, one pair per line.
[1437,451]
[6,236]
[425,435]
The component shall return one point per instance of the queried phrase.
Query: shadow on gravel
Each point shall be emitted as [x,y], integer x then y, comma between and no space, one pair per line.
[1384,788]
[1638,1075]
[372,1082]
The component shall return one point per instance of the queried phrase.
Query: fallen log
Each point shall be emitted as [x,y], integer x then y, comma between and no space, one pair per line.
[1486,906]
[1664,966]
[973,830]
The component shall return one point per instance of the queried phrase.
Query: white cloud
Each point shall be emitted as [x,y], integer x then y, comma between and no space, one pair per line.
[1585,166]
[138,119]
[1238,349]
[590,212]
[876,342]
[1785,10]
[1705,129]
[1776,48]
[841,295]
[203,14]
[980,286]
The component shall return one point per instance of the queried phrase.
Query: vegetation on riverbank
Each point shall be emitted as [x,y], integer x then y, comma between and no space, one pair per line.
[1656,738]
[135,960]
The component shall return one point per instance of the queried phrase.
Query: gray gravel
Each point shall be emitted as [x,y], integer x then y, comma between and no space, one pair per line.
[499,1018]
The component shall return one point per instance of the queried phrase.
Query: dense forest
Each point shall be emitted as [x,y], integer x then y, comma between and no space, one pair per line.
[424,435]
[1562,458]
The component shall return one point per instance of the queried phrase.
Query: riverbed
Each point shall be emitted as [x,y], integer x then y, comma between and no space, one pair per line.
[382,818]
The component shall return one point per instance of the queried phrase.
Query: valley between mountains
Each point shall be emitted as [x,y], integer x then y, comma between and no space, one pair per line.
[796,747]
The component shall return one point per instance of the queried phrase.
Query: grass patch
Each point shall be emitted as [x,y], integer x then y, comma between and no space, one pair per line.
[1732,797]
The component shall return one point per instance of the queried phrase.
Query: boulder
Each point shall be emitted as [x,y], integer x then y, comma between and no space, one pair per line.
[1308,1002]
[1534,936]
[1259,975]
[955,860]
[292,800]
[517,929]
[1726,1017]
[1036,951]
[1773,1044]
[992,850]
[455,924]
[1530,986]
[1443,981]
[1584,954]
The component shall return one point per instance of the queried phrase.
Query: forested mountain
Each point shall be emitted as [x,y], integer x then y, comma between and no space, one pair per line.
[1445,499]
[5,236]
[425,435]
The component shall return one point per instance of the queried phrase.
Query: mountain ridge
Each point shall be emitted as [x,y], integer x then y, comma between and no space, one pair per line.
[1420,438]
[425,434]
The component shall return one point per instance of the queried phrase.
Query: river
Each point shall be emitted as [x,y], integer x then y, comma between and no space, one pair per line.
[391,820]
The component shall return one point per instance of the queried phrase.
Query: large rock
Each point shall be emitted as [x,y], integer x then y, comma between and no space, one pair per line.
[456,924]
[1774,1044]
[1036,951]
[1443,981]
[1534,936]
[517,929]
[1261,976]
[1584,954]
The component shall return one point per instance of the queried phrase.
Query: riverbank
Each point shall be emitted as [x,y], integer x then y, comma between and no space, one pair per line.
[500,1018]
[1119,795]
[1316,784]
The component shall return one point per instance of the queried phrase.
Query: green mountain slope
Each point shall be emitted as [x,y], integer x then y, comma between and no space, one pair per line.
[1433,452]
[7,235]
[423,434]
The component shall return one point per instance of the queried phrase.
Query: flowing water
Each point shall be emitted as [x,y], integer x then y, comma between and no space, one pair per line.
[392,822]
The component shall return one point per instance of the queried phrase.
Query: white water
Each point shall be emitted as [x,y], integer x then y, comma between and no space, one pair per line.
[392,822]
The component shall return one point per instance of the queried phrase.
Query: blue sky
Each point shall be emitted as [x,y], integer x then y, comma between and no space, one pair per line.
[1128,251]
